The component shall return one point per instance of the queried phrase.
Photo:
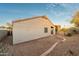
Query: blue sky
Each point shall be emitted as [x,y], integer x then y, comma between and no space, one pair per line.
[58,13]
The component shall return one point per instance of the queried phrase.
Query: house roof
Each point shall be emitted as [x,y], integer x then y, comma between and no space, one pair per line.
[26,19]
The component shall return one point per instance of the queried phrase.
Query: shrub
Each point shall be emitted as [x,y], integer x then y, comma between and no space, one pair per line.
[71,31]
[67,34]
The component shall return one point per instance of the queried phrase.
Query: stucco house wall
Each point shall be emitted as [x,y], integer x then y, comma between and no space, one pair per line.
[31,29]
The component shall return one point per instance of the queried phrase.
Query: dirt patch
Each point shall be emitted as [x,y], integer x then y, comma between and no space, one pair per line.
[36,47]
[69,48]
[6,47]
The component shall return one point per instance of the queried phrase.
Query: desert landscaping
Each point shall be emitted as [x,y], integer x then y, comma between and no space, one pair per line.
[39,46]
[53,33]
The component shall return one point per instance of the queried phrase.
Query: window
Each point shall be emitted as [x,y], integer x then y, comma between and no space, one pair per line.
[45,29]
[52,29]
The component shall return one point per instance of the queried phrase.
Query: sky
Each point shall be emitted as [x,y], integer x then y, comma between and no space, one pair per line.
[58,13]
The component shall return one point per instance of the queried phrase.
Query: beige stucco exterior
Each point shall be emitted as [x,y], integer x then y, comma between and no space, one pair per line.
[31,29]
